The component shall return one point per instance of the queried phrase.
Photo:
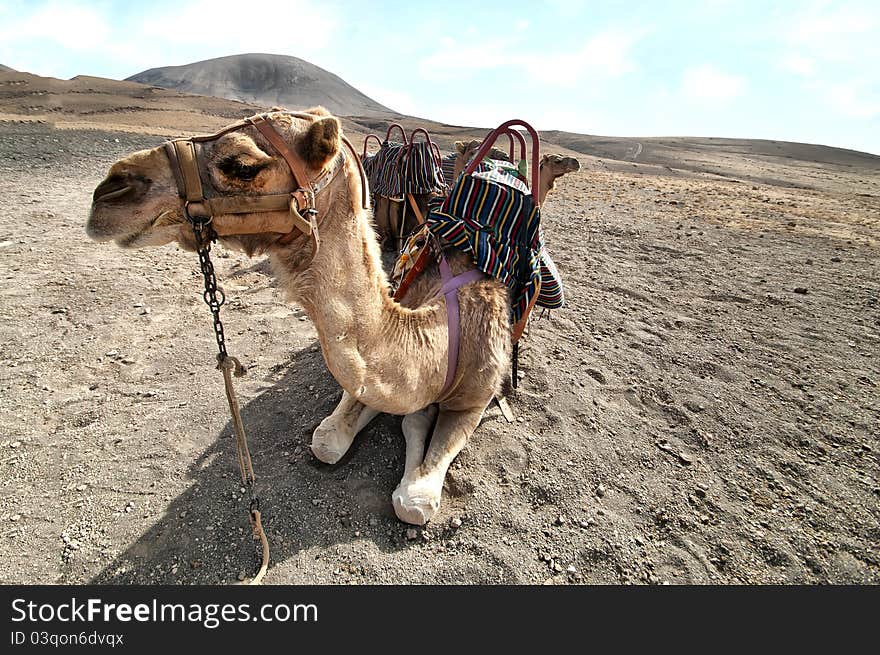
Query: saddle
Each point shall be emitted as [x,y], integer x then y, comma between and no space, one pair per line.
[404,168]
[406,173]
[492,214]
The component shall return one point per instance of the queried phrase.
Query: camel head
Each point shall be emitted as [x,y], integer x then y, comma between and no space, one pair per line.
[466,151]
[138,203]
[553,167]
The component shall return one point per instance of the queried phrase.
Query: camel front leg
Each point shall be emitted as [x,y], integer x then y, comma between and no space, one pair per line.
[417,497]
[334,436]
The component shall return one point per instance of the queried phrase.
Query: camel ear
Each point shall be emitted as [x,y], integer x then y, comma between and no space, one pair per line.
[460,147]
[544,159]
[321,143]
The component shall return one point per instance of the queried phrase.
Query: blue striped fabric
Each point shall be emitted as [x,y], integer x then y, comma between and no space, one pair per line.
[388,170]
[397,169]
[551,295]
[500,226]
[423,175]
[369,162]
[448,165]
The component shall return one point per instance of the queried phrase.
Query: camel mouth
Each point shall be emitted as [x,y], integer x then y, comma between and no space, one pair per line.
[102,231]
[117,187]
[166,218]
[110,195]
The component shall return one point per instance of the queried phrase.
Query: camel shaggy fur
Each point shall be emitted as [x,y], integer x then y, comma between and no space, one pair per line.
[387,356]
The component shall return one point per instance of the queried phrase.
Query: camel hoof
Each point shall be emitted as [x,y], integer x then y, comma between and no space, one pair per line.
[331,440]
[414,509]
[326,453]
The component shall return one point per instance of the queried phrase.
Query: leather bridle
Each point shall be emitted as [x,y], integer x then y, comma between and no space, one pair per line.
[300,205]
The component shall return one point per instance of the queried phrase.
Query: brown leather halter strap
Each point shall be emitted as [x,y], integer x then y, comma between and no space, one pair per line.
[299,204]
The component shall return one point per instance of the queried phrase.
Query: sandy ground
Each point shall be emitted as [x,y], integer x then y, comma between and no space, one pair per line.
[704,410]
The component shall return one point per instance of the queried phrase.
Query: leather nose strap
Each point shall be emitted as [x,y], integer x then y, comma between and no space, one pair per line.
[171,153]
[182,153]
[189,168]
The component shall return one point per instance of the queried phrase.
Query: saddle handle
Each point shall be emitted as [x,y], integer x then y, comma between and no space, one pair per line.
[435,151]
[505,128]
[367,140]
[402,132]
[522,144]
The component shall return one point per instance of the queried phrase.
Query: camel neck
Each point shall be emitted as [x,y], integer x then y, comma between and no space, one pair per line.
[366,338]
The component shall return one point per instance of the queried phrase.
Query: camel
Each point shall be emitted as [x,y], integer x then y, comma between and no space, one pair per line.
[387,356]
[465,151]
[553,166]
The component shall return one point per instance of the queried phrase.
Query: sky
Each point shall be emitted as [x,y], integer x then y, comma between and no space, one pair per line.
[793,70]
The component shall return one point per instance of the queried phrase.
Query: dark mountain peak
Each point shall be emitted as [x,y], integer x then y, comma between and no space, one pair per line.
[267,80]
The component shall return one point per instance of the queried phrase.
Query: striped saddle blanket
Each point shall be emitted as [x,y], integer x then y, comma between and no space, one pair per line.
[397,169]
[448,166]
[492,215]
[369,163]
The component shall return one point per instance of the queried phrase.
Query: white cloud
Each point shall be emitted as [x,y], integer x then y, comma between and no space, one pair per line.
[224,22]
[798,64]
[455,60]
[186,32]
[708,84]
[571,120]
[392,98]
[605,55]
[838,33]
[825,24]
[853,99]
[568,8]
[478,112]
[835,49]
[77,27]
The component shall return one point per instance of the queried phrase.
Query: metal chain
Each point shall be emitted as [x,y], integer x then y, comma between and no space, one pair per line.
[204,236]
[215,299]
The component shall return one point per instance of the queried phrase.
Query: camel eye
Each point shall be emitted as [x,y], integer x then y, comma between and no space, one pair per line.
[234,167]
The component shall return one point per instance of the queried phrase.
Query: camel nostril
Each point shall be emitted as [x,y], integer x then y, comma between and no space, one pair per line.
[118,186]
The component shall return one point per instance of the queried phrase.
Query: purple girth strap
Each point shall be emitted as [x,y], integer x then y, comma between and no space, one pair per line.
[450,290]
